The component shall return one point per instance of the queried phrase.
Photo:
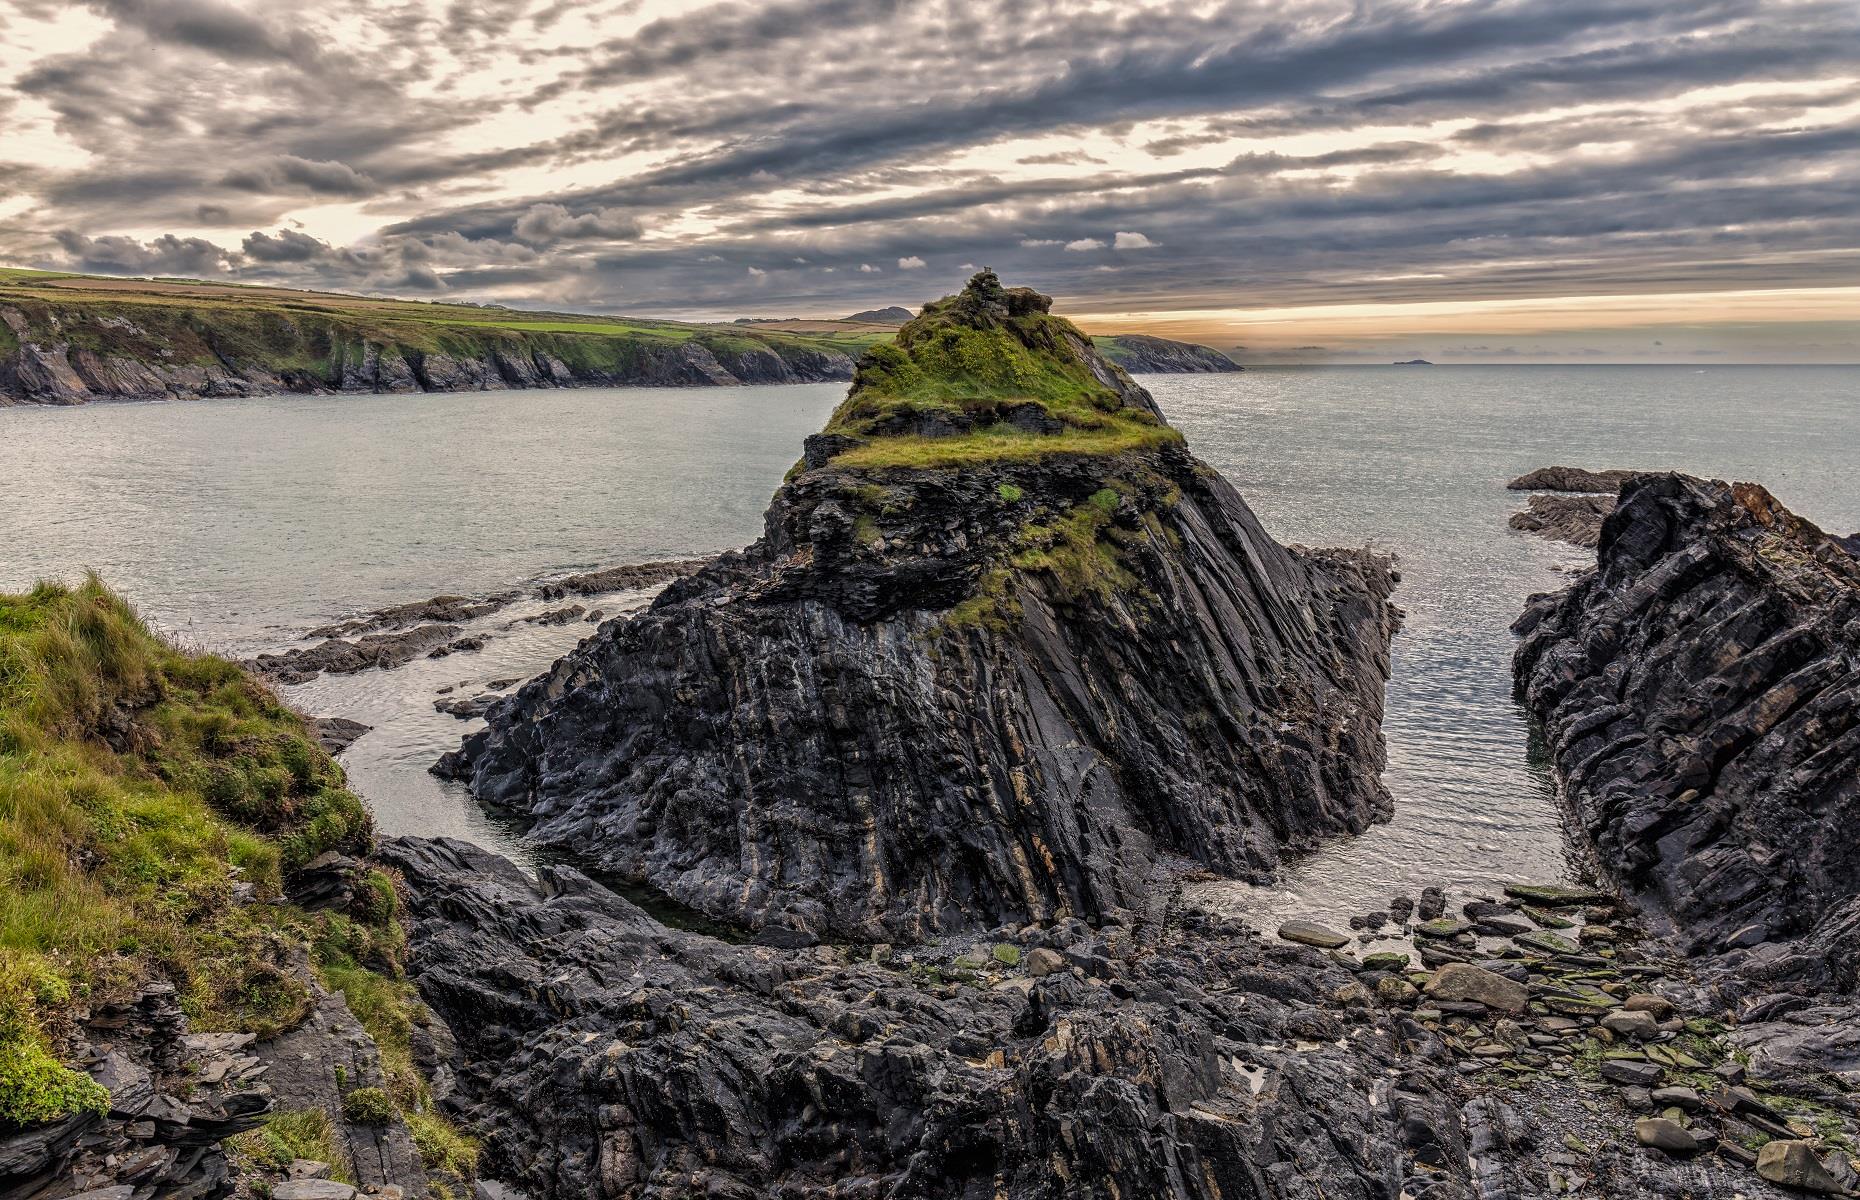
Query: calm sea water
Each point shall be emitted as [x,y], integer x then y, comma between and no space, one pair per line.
[239,523]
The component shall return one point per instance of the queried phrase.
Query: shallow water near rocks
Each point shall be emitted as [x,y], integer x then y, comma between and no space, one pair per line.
[237,524]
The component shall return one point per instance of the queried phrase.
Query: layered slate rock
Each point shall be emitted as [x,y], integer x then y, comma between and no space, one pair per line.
[1005,652]
[1701,695]
[603,1054]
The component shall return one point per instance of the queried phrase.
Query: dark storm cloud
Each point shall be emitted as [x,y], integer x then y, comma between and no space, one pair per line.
[722,158]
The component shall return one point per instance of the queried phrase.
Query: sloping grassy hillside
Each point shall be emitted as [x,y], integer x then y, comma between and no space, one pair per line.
[998,377]
[140,787]
[309,336]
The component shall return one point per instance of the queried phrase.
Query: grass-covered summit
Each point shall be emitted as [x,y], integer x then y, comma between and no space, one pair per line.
[988,374]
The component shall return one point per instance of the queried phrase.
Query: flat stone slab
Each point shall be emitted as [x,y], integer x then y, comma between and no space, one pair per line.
[1310,933]
[1465,982]
[1555,895]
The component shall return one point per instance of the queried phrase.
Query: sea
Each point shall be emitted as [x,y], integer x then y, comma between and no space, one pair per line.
[236,525]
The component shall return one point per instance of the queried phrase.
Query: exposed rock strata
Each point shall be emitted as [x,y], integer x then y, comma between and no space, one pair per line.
[1576,519]
[1579,500]
[932,698]
[601,1054]
[340,656]
[1701,695]
[54,362]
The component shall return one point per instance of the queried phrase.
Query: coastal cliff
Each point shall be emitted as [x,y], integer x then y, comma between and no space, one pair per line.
[1700,692]
[139,359]
[1141,354]
[1005,652]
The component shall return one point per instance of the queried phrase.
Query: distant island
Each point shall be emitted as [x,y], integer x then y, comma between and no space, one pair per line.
[70,339]
[1413,362]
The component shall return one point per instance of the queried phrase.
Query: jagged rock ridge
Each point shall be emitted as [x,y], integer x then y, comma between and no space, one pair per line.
[1005,652]
[1701,694]
[602,1054]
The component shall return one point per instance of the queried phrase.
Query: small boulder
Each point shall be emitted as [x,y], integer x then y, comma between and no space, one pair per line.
[1659,1006]
[1664,1134]
[1629,1073]
[1465,982]
[1794,1165]
[1678,1097]
[1310,933]
[1638,1025]
[1433,904]
[1386,960]
[1043,962]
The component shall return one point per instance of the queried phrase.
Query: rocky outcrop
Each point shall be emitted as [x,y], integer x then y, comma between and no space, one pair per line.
[1700,692]
[1141,354]
[174,1096]
[603,1054]
[935,698]
[1576,519]
[1571,479]
[1577,502]
[340,656]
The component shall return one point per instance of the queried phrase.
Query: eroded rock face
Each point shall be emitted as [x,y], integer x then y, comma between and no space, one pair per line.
[602,1054]
[936,698]
[51,370]
[1701,694]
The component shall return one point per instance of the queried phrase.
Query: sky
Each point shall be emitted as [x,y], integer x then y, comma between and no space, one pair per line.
[1461,180]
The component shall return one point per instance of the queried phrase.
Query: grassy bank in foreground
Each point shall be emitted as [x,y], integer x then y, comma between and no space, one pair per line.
[153,807]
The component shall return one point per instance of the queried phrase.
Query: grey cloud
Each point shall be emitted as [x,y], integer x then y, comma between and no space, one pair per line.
[210,26]
[287,245]
[547,223]
[289,173]
[165,255]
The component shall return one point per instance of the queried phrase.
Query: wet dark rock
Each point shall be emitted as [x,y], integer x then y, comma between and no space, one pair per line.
[340,656]
[336,734]
[1571,479]
[626,577]
[1309,933]
[556,616]
[1701,696]
[600,1053]
[441,610]
[1432,905]
[467,709]
[1576,519]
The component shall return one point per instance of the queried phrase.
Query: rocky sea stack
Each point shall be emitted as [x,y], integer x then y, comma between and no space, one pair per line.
[1005,652]
[1701,694]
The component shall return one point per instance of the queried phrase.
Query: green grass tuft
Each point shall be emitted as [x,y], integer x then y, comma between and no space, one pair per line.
[138,786]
